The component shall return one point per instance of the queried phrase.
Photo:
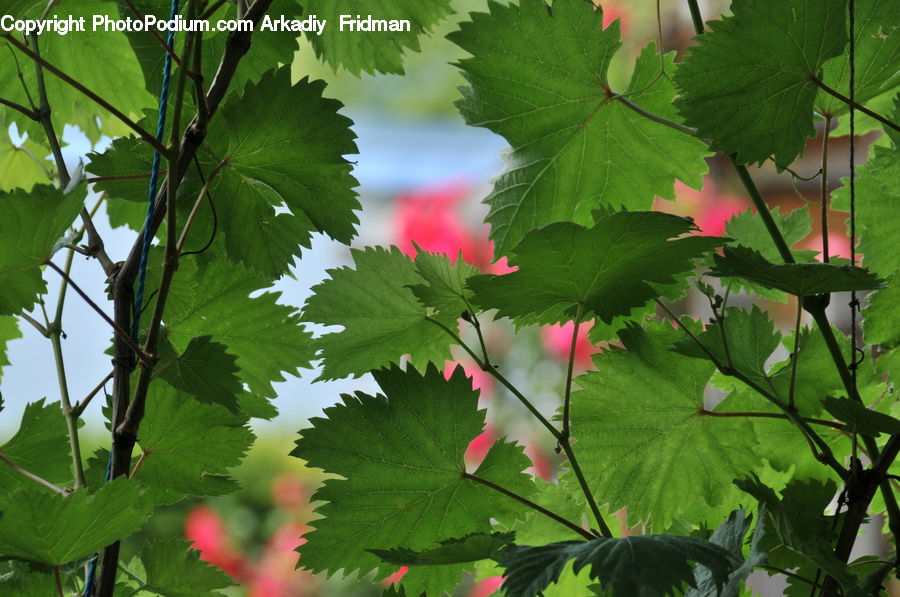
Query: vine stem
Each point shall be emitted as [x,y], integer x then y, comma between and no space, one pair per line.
[795,356]
[119,331]
[565,445]
[30,114]
[566,523]
[146,136]
[570,372]
[823,189]
[32,476]
[854,104]
[58,580]
[762,415]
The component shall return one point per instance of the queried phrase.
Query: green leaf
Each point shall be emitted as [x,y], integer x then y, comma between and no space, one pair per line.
[748,230]
[9,330]
[376,51]
[40,446]
[860,419]
[25,581]
[799,279]
[381,316]
[284,172]
[188,446]
[743,341]
[610,268]
[175,570]
[730,536]
[400,457]
[22,166]
[798,522]
[637,565]
[445,283]
[538,78]
[877,216]
[471,548]
[879,317]
[120,80]
[51,529]
[205,370]
[747,84]
[877,51]
[212,300]
[30,224]
[643,441]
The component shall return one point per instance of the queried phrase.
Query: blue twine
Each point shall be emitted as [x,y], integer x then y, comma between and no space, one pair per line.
[145,248]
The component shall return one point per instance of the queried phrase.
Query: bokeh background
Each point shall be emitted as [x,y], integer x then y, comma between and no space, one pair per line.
[422,175]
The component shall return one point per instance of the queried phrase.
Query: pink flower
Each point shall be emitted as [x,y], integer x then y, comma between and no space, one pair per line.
[481,380]
[541,465]
[479,447]
[716,212]
[430,218]
[206,530]
[396,576]
[838,244]
[486,587]
[288,491]
[613,11]
[557,342]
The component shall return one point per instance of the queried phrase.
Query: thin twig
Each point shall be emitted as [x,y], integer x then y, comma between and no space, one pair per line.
[570,372]
[32,476]
[56,577]
[138,464]
[119,331]
[40,328]
[473,319]
[31,114]
[659,119]
[146,136]
[566,523]
[795,356]
[762,415]
[856,106]
[823,189]
[190,219]
[79,407]
[43,116]
[93,179]
[154,33]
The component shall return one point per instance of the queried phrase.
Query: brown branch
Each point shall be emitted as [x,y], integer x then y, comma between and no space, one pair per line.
[31,114]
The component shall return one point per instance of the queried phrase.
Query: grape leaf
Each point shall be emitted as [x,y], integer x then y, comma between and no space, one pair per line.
[283,171]
[610,268]
[9,330]
[22,166]
[188,446]
[380,51]
[52,529]
[880,316]
[743,341]
[747,84]
[538,78]
[799,279]
[445,282]
[860,419]
[401,459]
[877,52]
[471,548]
[40,446]
[747,229]
[23,580]
[30,224]
[877,217]
[381,316]
[266,337]
[120,81]
[730,536]
[642,439]
[175,570]
[204,369]
[637,565]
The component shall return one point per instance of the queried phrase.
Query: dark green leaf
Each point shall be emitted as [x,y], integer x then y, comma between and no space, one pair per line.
[538,77]
[644,443]
[730,536]
[630,566]
[799,279]
[175,570]
[616,265]
[400,457]
[52,529]
[284,172]
[471,548]
[30,224]
[188,446]
[25,581]
[860,419]
[746,85]
[374,51]
[40,446]
[205,370]
[381,316]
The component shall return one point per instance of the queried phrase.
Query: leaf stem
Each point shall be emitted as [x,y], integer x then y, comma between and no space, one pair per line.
[696,17]
[32,476]
[31,114]
[202,195]
[566,523]
[795,356]
[40,328]
[473,319]
[763,415]
[570,372]
[80,406]
[146,136]
[853,104]
[585,489]
[119,331]
[823,188]
[58,580]
[763,211]
[659,119]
